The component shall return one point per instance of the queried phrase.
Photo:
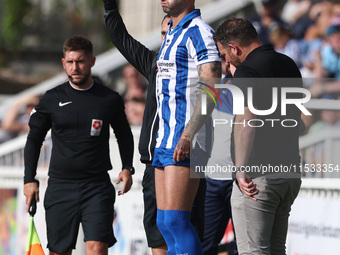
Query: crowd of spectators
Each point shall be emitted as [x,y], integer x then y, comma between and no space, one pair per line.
[15,121]
[308,31]
[134,94]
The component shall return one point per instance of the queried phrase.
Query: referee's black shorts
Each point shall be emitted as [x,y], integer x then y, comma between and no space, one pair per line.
[69,202]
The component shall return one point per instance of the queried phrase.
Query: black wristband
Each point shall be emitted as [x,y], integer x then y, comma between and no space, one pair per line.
[110,5]
[131,169]
[31,180]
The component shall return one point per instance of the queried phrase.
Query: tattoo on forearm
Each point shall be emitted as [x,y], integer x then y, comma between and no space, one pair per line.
[209,74]
[210,70]
[216,69]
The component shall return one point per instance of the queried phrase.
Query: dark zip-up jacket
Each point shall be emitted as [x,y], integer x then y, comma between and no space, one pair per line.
[144,60]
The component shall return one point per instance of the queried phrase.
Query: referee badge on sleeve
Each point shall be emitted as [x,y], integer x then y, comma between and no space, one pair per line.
[96,127]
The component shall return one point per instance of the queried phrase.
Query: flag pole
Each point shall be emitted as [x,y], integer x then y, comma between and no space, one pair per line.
[33,246]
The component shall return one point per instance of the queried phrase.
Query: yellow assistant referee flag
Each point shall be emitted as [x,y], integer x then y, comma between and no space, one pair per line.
[33,246]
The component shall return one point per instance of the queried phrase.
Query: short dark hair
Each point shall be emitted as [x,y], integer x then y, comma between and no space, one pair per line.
[236,30]
[78,43]
[166,16]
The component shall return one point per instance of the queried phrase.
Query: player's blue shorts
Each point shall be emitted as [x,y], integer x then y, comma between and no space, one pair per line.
[164,157]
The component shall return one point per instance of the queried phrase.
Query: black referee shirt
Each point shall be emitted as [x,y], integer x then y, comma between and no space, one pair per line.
[80,123]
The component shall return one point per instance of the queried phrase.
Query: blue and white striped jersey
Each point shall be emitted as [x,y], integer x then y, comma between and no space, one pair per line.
[185,47]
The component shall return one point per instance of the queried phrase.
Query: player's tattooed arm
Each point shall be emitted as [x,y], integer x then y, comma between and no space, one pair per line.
[209,75]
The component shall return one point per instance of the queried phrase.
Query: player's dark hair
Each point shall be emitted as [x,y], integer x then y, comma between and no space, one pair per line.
[236,30]
[78,43]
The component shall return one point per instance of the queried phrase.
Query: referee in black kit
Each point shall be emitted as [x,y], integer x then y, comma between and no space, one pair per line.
[79,114]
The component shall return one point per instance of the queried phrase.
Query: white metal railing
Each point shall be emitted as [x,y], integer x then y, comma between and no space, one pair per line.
[323,104]
[321,177]
[320,153]
[12,152]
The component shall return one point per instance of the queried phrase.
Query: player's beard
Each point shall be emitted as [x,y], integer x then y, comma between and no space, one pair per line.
[175,9]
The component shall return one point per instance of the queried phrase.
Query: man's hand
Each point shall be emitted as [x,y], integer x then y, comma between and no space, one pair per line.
[246,185]
[182,150]
[126,177]
[31,190]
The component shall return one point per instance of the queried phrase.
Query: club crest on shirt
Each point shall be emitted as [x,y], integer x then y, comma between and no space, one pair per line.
[96,127]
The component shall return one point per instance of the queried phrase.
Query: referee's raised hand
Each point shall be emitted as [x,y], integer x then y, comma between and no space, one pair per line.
[110,5]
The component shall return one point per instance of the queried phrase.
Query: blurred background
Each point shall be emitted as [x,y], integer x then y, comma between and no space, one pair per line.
[32,33]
